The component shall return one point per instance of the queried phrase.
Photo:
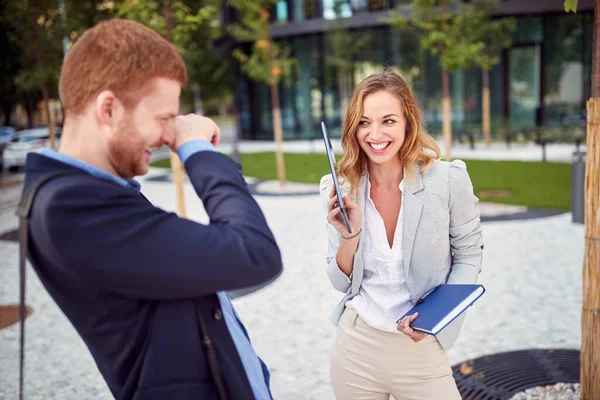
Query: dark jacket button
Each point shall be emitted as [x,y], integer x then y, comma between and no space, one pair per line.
[218,315]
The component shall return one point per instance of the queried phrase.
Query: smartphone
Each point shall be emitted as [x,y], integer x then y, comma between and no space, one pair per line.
[331,157]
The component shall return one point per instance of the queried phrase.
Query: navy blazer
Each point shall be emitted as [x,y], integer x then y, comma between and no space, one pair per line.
[129,276]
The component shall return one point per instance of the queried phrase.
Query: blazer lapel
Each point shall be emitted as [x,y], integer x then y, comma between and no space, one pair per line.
[413,208]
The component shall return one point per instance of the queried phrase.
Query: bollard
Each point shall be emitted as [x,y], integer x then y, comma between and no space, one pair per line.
[471,141]
[578,187]
[543,143]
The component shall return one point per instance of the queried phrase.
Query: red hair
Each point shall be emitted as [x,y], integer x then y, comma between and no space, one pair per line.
[118,55]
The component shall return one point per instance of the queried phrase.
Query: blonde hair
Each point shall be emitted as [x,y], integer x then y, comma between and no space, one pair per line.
[418,146]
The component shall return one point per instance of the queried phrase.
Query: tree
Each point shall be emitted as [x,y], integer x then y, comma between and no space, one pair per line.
[343,47]
[24,78]
[177,23]
[496,35]
[267,62]
[208,62]
[34,28]
[443,26]
[590,313]
[39,59]
[9,68]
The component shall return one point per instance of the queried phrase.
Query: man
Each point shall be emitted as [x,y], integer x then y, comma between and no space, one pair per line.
[139,284]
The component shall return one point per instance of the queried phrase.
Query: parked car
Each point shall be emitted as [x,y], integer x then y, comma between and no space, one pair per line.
[24,142]
[7,133]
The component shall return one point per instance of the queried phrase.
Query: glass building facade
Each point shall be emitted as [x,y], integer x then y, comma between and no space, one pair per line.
[542,79]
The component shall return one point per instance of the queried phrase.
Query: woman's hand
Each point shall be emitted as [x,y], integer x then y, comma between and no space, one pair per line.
[335,218]
[404,327]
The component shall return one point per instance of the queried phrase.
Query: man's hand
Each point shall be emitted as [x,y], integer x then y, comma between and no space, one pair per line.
[193,127]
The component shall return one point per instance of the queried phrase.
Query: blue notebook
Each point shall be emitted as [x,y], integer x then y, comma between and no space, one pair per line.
[442,306]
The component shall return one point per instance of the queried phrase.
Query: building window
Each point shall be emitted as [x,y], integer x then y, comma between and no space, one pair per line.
[529,30]
[281,11]
[360,5]
[588,39]
[377,5]
[308,95]
[564,69]
[333,9]
[312,8]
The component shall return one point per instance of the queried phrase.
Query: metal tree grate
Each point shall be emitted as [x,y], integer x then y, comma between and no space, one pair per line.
[500,376]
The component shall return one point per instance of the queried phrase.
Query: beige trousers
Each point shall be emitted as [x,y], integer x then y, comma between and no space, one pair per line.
[369,364]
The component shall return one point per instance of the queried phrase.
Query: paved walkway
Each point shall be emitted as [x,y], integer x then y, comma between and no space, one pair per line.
[532,273]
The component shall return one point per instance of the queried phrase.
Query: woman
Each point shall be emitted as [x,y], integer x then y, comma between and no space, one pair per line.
[415,225]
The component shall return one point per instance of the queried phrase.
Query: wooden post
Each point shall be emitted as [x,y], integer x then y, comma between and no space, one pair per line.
[278,134]
[485,104]
[590,316]
[343,82]
[590,313]
[177,169]
[447,115]
[276,110]
[446,99]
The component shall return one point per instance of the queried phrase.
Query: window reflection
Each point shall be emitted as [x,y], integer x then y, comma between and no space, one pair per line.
[546,73]
[281,11]
[564,69]
[309,98]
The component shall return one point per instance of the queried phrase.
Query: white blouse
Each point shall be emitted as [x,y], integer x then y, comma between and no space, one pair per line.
[383,296]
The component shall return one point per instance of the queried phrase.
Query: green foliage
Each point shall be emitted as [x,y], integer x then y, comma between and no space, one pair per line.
[496,34]
[460,34]
[267,61]
[144,12]
[193,33]
[342,45]
[183,21]
[195,28]
[571,5]
[18,16]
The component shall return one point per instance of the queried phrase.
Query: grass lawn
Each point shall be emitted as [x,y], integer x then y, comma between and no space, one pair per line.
[532,184]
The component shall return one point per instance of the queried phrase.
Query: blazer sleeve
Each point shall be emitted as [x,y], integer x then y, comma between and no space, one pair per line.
[466,240]
[116,240]
[339,280]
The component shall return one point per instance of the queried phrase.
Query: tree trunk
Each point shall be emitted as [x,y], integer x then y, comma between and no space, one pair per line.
[235,152]
[7,109]
[30,108]
[485,107]
[222,109]
[590,318]
[40,64]
[278,134]
[447,115]
[176,164]
[590,315]
[343,83]
[596,53]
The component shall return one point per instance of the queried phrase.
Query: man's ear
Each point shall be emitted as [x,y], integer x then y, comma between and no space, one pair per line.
[108,109]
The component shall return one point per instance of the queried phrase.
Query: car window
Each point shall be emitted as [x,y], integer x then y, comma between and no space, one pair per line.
[24,139]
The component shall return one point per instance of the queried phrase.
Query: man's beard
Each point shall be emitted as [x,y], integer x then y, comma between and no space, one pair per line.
[126,151]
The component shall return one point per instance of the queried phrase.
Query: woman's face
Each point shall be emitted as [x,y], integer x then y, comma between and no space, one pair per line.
[382,125]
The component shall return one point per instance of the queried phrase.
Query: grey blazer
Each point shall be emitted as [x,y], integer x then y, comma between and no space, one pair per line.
[440,216]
